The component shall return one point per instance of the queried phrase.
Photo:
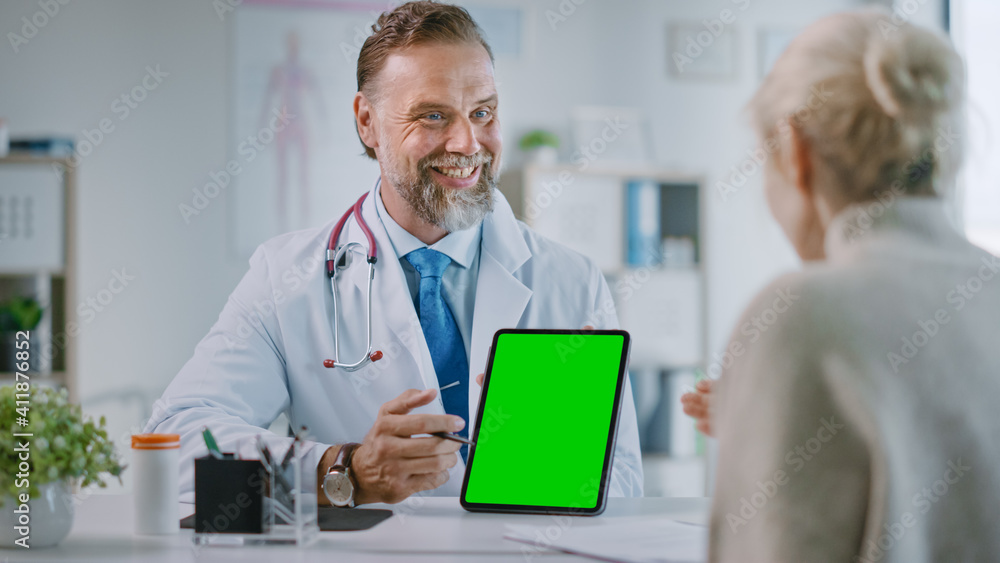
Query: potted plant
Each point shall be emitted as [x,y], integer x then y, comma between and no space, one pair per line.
[18,314]
[65,449]
[541,146]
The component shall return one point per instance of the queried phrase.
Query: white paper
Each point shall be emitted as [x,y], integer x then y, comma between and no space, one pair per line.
[640,540]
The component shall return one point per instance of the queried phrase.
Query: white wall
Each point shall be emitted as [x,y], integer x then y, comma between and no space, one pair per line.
[65,79]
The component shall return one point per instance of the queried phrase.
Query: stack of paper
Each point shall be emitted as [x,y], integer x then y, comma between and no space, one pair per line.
[638,540]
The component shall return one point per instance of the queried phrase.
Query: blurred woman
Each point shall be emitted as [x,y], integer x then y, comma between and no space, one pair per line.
[858,422]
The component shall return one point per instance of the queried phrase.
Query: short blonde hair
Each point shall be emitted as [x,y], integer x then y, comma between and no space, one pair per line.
[880,103]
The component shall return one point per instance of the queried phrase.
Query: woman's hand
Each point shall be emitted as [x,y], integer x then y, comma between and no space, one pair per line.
[698,405]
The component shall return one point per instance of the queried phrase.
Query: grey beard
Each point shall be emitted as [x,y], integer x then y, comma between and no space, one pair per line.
[451,210]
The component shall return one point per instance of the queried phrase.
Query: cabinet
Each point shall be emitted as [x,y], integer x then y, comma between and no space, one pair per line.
[645,229]
[38,259]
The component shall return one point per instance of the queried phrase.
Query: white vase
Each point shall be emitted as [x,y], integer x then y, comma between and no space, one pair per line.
[50,517]
[545,155]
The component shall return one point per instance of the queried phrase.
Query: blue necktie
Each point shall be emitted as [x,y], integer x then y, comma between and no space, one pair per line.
[442,335]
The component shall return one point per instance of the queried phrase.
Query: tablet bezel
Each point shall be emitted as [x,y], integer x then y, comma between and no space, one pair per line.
[609,451]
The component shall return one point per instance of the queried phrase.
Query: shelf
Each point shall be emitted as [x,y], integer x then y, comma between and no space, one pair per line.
[57,379]
[33,158]
[44,268]
[619,170]
[18,274]
[9,375]
[627,269]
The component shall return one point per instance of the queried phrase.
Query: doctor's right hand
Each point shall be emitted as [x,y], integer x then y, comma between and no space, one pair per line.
[389,466]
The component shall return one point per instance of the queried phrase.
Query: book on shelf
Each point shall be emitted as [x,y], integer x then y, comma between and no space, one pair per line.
[42,146]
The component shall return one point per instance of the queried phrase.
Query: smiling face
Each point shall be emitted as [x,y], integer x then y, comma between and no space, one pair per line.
[433,126]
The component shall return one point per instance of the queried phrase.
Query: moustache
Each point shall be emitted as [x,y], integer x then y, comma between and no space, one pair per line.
[456,161]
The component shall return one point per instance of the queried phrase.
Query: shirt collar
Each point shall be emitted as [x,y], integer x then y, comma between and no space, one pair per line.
[461,246]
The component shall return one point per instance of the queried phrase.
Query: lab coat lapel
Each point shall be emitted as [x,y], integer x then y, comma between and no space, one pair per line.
[391,305]
[500,297]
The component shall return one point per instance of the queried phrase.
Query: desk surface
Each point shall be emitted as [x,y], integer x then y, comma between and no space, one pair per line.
[422,529]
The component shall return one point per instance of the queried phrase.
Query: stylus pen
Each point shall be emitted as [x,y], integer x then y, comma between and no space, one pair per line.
[453,438]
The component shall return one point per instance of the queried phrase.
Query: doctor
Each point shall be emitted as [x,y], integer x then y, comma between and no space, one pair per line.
[454,266]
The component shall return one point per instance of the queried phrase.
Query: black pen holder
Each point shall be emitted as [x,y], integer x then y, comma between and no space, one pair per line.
[254,502]
[229,495]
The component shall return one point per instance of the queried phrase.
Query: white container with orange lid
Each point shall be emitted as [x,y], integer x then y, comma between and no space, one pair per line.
[155,467]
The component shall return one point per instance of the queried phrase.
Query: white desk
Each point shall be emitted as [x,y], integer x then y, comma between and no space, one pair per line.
[429,529]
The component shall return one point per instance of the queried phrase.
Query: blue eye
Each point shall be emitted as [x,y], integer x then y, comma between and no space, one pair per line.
[481,113]
[435,116]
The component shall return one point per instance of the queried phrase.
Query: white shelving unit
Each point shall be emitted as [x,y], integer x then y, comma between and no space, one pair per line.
[663,307]
[38,258]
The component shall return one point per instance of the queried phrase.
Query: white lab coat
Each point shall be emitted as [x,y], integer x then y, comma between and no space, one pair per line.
[264,356]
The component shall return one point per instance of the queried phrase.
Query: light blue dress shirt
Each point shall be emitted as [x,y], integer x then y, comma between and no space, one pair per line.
[459,279]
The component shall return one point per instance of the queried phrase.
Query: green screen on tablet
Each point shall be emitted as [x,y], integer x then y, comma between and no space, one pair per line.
[547,420]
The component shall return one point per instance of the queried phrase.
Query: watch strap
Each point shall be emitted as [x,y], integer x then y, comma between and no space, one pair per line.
[344,456]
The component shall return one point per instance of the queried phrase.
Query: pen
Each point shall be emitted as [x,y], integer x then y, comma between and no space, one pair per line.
[268,463]
[213,448]
[453,438]
[291,450]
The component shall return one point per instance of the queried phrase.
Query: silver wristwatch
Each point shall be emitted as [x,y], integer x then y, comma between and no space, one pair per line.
[337,484]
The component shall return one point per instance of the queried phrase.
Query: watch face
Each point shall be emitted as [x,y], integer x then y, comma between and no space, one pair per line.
[338,488]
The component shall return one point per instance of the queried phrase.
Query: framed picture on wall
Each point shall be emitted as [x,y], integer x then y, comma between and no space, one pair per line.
[696,51]
[503,27]
[295,158]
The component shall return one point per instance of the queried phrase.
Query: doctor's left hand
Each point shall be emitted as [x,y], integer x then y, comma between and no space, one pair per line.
[389,466]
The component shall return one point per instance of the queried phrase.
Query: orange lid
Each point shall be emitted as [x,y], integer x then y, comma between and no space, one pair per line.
[156,441]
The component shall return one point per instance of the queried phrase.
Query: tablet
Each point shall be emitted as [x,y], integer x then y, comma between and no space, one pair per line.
[547,422]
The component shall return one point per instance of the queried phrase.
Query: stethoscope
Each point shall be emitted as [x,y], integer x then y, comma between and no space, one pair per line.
[338,258]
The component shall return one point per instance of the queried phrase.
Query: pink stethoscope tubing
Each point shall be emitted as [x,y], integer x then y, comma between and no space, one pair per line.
[339,259]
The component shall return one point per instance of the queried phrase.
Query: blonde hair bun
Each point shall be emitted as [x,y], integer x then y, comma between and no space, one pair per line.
[910,72]
[879,101]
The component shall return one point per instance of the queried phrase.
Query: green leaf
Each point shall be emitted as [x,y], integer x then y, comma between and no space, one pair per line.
[22,313]
[77,447]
